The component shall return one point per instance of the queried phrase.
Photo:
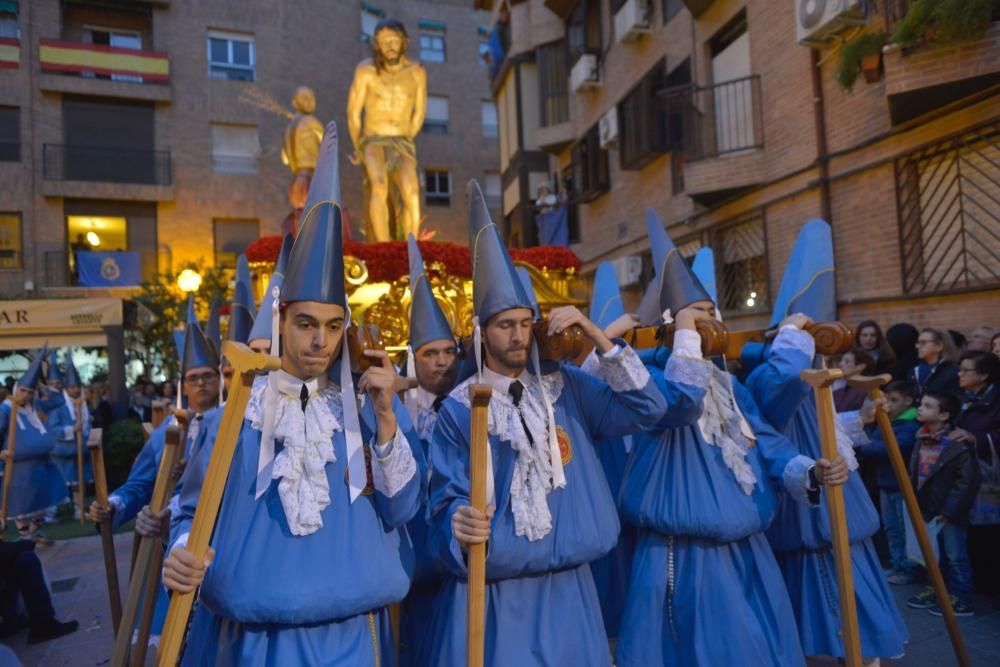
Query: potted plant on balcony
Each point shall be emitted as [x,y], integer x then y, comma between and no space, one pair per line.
[861,54]
[941,22]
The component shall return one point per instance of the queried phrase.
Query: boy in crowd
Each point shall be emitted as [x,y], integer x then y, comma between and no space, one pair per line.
[946,477]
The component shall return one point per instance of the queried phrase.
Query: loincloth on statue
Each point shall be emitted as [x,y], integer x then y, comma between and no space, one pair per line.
[393,147]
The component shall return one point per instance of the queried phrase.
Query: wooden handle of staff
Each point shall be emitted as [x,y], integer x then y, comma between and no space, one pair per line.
[107,535]
[8,467]
[246,364]
[80,481]
[821,381]
[872,385]
[147,547]
[476,608]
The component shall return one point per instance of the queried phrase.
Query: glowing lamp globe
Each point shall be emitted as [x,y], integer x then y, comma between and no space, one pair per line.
[189,280]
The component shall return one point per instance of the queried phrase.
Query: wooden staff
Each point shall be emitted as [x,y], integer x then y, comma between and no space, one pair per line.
[246,364]
[479,396]
[872,385]
[8,465]
[107,535]
[80,482]
[820,380]
[146,561]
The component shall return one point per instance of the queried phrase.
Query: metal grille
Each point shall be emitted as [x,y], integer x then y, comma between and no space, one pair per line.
[741,268]
[716,120]
[948,201]
[106,164]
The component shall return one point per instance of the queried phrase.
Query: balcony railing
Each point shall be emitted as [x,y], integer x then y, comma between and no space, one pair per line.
[110,62]
[716,120]
[106,165]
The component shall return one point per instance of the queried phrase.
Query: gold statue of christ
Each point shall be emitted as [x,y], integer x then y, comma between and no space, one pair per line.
[385,111]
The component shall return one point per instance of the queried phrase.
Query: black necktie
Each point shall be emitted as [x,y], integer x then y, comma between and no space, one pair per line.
[304,397]
[436,405]
[516,391]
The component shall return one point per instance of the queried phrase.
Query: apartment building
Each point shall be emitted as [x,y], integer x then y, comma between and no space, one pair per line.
[721,116]
[156,126]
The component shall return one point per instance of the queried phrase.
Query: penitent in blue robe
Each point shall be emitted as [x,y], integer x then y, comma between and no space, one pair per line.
[37,482]
[541,604]
[800,536]
[60,423]
[274,598]
[705,587]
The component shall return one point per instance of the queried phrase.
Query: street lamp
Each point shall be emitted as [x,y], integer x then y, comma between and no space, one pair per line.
[189,281]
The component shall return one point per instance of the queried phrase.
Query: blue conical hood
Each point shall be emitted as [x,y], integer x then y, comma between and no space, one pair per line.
[198,351]
[678,287]
[649,312]
[495,285]
[72,376]
[53,372]
[315,269]
[606,301]
[808,284]
[32,376]
[213,329]
[529,289]
[703,268]
[427,321]
[240,322]
[244,282]
[261,329]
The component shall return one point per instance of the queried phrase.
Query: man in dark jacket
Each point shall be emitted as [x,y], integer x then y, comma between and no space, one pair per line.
[946,477]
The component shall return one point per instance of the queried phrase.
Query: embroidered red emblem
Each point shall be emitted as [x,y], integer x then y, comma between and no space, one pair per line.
[565,445]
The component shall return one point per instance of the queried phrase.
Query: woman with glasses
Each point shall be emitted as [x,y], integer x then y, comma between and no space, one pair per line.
[978,423]
[936,373]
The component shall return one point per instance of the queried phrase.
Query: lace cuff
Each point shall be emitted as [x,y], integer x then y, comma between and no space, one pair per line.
[693,371]
[796,480]
[687,343]
[854,427]
[790,337]
[591,365]
[394,465]
[622,369]
[116,502]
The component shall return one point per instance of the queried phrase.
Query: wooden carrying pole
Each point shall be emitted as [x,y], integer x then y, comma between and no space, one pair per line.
[107,535]
[246,364]
[872,385]
[820,380]
[148,548]
[8,466]
[80,481]
[475,646]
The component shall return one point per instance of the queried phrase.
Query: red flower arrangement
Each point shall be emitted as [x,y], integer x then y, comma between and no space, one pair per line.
[388,261]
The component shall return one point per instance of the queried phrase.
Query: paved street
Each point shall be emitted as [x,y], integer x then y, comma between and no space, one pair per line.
[76,571]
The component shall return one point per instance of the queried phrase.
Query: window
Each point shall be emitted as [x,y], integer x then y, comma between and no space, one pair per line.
[488,111]
[552,83]
[10,241]
[670,9]
[235,149]
[642,132]
[591,177]
[437,187]
[946,199]
[742,268]
[370,16]
[231,238]
[231,56]
[492,189]
[432,35]
[10,134]
[9,28]
[583,30]
[436,120]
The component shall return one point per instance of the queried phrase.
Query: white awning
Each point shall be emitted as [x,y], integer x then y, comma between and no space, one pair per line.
[27,325]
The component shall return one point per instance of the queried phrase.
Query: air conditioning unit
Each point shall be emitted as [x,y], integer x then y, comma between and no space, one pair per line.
[584,75]
[607,128]
[629,270]
[817,21]
[632,20]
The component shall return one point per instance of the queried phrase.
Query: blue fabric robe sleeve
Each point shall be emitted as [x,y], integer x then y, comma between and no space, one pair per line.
[137,490]
[775,385]
[683,383]
[449,488]
[51,402]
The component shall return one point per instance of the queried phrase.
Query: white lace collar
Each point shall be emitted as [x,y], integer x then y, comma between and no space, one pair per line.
[722,424]
[308,444]
[533,476]
[26,412]
[71,407]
